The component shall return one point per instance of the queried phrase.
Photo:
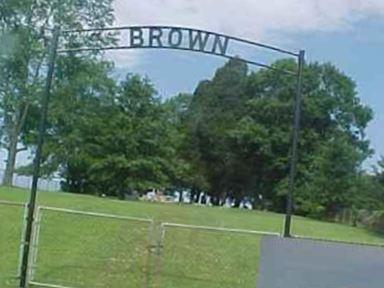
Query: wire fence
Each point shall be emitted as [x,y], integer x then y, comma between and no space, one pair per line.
[83,249]
[78,249]
[200,256]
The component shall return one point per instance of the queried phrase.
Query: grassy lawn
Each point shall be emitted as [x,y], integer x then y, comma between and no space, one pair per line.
[84,251]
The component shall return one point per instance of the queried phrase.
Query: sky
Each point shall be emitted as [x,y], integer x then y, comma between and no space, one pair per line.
[347,33]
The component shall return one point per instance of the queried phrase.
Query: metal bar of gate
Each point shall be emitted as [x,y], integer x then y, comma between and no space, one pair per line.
[220,229]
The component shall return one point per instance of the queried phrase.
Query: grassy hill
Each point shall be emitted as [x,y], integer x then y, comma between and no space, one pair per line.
[84,251]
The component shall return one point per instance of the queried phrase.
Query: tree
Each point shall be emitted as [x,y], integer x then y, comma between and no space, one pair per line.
[109,138]
[240,129]
[214,109]
[80,103]
[22,71]
[187,175]
[331,179]
[134,150]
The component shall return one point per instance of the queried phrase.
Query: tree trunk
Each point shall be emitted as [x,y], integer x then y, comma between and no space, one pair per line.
[11,160]
[12,150]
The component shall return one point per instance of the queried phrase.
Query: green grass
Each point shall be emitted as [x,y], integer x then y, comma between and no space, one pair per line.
[83,251]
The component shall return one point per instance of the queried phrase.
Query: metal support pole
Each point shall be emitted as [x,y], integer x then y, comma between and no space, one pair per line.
[37,162]
[295,140]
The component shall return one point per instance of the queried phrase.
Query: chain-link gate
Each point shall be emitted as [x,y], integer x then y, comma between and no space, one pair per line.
[77,249]
[200,256]
[85,249]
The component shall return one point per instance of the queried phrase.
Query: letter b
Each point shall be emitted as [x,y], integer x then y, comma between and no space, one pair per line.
[136,37]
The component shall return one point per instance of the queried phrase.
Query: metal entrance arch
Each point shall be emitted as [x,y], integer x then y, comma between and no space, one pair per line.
[159,37]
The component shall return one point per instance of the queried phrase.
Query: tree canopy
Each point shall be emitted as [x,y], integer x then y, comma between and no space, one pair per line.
[240,127]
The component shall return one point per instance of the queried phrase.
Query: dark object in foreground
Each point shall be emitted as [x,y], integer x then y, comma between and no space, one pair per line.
[299,263]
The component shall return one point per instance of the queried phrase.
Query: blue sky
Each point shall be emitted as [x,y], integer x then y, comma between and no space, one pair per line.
[347,33]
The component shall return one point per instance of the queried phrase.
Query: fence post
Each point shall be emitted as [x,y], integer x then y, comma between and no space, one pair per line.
[295,141]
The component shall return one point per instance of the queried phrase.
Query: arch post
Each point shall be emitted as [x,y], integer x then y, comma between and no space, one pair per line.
[31,206]
[295,142]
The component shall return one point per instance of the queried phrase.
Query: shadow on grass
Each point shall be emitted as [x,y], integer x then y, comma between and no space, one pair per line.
[375,233]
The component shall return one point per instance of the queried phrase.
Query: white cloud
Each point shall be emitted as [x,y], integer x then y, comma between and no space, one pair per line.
[248,18]
[261,20]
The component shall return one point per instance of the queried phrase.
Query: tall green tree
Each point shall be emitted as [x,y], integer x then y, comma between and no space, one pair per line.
[187,174]
[22,72]
[214,110]
[134,147]
[80,101]
[110,138]
[241,127]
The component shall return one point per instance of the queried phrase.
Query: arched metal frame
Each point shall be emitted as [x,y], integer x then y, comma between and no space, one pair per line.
[220,44]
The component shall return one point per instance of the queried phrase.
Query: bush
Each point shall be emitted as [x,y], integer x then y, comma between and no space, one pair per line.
[373,220]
